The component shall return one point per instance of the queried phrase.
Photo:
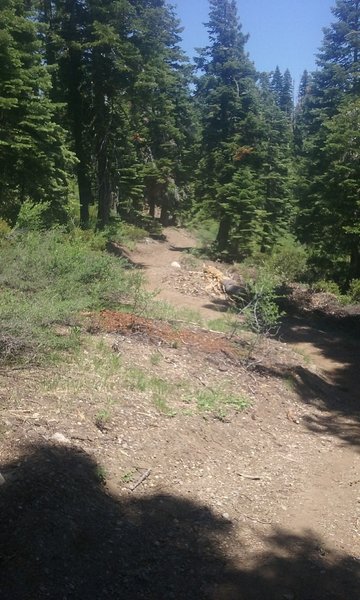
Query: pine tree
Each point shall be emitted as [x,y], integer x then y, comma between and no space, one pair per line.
[286,96]
[277,83]
[34,159]
[161,108]
[275,172]
[228,99]
[326,198]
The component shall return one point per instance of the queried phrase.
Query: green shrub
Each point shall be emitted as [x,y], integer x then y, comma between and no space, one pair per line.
[354,290]
[125,234]
[329,287]
[261,312]
[204,228]
[32,216]
[288,260]
[49,278]
[4,228]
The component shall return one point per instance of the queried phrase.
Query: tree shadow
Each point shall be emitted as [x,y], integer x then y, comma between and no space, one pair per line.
[338,392]
[120,252]
[185,249]
[219,304]
[63,536]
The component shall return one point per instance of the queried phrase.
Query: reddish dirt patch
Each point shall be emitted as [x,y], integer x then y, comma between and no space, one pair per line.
[162,333]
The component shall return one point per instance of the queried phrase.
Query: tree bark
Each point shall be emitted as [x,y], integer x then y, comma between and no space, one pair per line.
[354,263]
[71,72]
[222,239]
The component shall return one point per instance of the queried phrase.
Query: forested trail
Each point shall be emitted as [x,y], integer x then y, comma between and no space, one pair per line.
[321,498]
[119,480]
[336,356]
[157,257]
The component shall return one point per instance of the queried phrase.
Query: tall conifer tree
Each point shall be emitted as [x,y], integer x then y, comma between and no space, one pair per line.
[34,158]
[327,204]
[228,98]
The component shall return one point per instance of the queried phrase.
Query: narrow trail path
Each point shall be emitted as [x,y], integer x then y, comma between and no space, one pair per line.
[157,258]
[320,498]
[336,357]
[133,486]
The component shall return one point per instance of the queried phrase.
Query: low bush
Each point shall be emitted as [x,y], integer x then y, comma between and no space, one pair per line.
[48,278]
[288,260]
[33,216]
[328,287]
[261,312]
[4,228]
[354,291]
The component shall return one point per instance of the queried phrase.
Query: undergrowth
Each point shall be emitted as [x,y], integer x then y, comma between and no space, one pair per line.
[50,278]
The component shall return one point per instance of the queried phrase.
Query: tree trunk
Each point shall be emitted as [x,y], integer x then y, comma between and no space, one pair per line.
[71,72]
[102,126]
[151,204]
[354,271]
[104,193]
[85,195]
[222,240]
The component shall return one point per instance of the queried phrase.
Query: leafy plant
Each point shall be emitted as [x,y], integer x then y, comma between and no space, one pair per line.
[261,313]
[49,278]
[288,260]
[215,400]
[354,290]
[329,287]
[32,216]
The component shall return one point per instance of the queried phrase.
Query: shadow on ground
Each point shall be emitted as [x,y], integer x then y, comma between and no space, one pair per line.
[63,537]
[334,391]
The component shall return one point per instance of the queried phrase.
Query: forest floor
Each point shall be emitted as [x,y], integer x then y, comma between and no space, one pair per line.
[159,464]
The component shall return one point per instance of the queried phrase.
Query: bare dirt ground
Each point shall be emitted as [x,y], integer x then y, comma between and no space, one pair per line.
[155,465]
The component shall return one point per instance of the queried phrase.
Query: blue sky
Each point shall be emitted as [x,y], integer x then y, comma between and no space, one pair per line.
[287,33]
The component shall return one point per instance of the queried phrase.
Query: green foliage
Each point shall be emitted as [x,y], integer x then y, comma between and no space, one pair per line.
[4,228]
[288,260]
[218,400]
[327,126]
[330,287]
[204,228]
[48,279]
[261,313]
[354,290]
[125,233]
[32,216]
[34,157]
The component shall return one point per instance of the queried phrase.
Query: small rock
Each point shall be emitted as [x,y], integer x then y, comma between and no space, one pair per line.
[226,516]
[176,265]
[60,438]
[2,479]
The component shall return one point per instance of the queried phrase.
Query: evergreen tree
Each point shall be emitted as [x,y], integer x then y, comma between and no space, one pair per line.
[34,159]
[275,172]
[304,86]
[161,108]
[325,198]
[277,83]
[228,99]
[286,96]
[122,78]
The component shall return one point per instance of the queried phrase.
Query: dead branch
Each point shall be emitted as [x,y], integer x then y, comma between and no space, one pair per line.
[140,480]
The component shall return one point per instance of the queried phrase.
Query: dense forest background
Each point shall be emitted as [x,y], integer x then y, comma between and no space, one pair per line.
[104,119]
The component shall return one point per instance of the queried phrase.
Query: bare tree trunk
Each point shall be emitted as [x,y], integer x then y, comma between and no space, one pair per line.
[222,239]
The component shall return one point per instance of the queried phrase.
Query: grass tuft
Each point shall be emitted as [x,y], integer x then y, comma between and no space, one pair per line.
[47,279]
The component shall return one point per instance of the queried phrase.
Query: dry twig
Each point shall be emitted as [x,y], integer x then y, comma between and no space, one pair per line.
[140,480]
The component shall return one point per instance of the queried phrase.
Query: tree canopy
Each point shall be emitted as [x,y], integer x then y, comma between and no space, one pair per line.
[99,106]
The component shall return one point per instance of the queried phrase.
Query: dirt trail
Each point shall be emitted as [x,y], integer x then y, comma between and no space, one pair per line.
[157,258]
[118,480]
[336,357]
[319,498]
